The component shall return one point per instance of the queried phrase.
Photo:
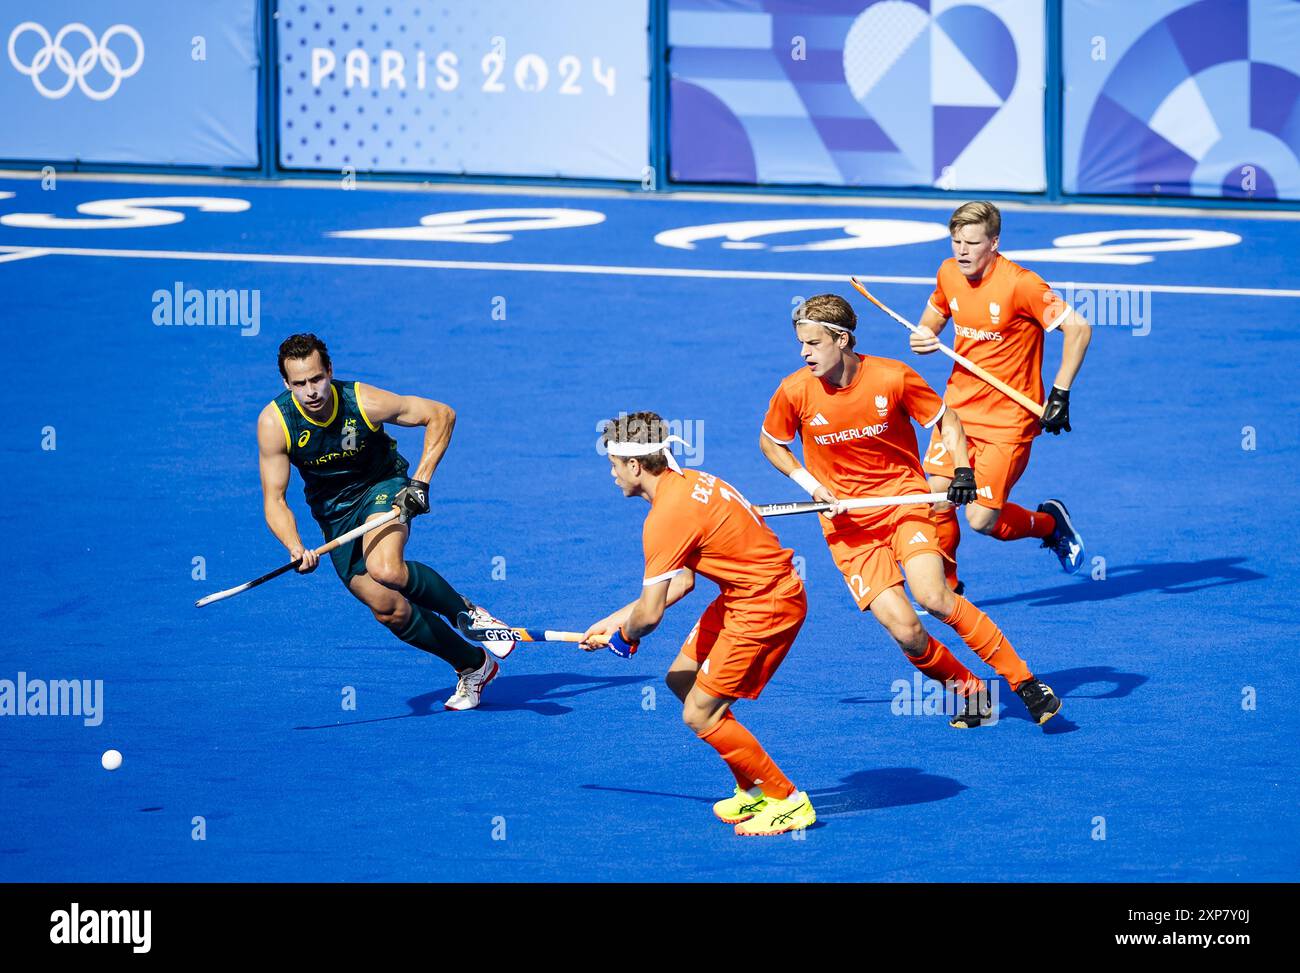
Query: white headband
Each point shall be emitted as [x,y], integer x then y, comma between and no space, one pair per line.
[825,324]
[637,450]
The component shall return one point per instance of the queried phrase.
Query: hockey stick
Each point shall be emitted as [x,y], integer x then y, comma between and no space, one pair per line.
[339,541]
[504,633]
[816,507]
[1019,397]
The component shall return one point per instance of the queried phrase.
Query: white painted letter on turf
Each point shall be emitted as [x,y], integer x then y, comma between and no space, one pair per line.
[127,214]
[480,225]
[857,234]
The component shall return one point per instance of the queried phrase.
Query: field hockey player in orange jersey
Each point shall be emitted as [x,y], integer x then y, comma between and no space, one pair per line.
[699,524]
[1001,313]
[854,415]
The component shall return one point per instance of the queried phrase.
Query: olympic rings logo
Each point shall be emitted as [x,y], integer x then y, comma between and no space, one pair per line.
[96,54]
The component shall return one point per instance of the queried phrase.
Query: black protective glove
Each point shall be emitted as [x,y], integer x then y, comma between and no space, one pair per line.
[962,488]
[413,499]
[1056,412]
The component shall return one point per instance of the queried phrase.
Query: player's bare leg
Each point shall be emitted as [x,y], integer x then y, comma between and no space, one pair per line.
[947,530]
[681,675]
[380,590]
[390,609]
[701,710]
[385,551]
[680,678]
[895,613]
[1050,523]
[760,784]
[925,577]
[982,520]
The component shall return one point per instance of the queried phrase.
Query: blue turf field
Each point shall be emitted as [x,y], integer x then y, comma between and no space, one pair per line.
[233,712]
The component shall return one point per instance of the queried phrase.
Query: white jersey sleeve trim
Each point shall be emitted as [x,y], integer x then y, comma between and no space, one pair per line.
[783,442]
[1056,323]
[937,416]
[930,305]
[667,575]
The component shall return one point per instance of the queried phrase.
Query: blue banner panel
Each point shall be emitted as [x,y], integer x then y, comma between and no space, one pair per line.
[945,93]
[135,81]
[1182,98]
[496,87]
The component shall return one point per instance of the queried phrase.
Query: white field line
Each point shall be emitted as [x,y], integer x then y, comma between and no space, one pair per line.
[485,186]
[596,269]
[19,253]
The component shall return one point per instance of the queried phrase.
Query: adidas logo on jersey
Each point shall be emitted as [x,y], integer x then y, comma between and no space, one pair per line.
[953,304]
[819,420]
[917,538]
[882,406]
[985,491]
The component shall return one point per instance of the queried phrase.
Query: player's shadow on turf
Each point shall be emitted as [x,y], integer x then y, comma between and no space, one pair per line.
[537,694]
[1172,578]
[865,790]
[1065,684]
[872,790]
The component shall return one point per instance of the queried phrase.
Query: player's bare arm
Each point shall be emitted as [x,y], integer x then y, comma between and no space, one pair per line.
[783,458]
[648,610]
[954,441]
[437,418]
[1056,410]
[925,339]
[954,438]
[273,465]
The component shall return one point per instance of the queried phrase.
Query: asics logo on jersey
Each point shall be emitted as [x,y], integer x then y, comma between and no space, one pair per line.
[819,420]
[979,335]
[845,435]
[302,440]
[882,406]
[96,55]
[917,538]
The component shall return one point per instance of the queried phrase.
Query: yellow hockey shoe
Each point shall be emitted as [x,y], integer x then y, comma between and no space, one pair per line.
[743,806]
[777,817]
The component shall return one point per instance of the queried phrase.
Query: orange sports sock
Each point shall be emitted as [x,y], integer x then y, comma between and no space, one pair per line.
[948,533]
[942,666]
[742,780]
[1015,522]
[746,757]
[987,641]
